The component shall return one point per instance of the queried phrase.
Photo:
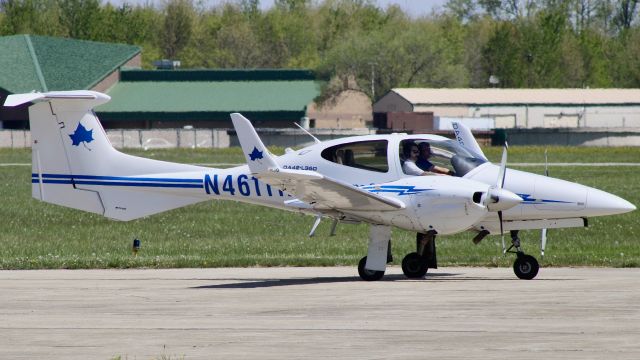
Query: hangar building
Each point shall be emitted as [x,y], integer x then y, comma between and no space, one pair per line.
[519,108]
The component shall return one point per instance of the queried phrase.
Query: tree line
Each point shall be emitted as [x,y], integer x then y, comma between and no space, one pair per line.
[358,45]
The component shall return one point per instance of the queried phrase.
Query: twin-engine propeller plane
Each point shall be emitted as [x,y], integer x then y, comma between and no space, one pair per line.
[350,180]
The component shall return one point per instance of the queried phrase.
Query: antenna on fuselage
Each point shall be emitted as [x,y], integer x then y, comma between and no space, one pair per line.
[315,139]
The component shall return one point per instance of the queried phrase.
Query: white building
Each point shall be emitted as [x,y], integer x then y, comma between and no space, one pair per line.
[522,108]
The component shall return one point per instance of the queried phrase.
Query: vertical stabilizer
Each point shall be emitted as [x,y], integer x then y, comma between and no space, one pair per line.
[51,138]
[74,164]
[465,139]
[256,154]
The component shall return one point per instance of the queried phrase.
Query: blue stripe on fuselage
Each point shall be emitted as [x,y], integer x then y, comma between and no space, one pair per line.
[530,201]
[116,181]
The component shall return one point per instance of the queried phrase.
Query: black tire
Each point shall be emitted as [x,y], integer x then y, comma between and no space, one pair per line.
[526,267]
[366,274]
[414,266]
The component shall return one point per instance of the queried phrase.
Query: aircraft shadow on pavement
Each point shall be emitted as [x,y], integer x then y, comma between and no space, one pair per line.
[266,283]
[433,277]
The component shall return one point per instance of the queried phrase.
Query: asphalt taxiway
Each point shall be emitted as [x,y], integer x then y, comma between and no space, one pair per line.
[293,313]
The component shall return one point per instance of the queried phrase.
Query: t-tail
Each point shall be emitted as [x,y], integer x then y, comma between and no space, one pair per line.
[75,165]
[465,139]
[257,155]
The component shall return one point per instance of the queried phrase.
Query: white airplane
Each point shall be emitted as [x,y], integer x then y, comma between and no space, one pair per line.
[351,180]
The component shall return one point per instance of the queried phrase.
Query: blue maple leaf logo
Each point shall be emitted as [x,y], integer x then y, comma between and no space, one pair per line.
[81,135]
[255,154]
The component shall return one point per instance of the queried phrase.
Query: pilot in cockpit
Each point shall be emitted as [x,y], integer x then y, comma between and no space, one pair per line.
[417,160]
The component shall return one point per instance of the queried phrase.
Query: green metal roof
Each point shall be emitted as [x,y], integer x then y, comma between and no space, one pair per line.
[218,75]
[206,96]
[17,71]
[44,63]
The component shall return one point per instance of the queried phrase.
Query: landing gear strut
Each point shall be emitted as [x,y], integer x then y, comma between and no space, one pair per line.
[416,264]
[373,266]
[526,266]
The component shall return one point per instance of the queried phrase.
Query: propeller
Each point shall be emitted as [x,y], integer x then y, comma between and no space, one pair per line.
[504,247]
[499,199]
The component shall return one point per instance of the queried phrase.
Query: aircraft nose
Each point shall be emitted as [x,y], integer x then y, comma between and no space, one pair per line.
[603,203]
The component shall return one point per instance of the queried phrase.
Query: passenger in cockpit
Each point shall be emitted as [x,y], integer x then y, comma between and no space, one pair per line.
[413,158]
[411,152]
[423,160]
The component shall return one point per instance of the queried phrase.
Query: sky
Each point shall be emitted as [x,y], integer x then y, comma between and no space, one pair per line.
[415,8]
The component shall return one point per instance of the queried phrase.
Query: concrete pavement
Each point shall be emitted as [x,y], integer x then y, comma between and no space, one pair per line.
[317,313]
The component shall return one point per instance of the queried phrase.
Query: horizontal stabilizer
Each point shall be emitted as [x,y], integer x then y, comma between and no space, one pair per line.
[19,99]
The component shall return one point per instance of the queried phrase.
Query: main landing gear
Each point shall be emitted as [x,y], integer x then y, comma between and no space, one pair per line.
[373,266]
[415,265]
[526,266]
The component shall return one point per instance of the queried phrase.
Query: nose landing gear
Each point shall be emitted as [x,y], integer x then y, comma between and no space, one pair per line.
[526,266]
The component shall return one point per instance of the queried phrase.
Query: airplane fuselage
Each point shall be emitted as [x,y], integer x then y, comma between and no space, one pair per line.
[543,197]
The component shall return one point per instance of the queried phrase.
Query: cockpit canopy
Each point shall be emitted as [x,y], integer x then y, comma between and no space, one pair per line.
[372,155]
[366,155]
[446,154]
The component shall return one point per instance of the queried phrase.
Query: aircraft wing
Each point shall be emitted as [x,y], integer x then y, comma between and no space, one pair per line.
[313,188]
[324,193]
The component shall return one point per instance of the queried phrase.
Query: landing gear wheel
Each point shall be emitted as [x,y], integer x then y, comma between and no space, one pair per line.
[526,267]
[366,274]
[414,266]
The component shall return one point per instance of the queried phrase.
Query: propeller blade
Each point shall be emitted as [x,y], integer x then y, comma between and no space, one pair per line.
[503,168]
[543,242]
[504,247]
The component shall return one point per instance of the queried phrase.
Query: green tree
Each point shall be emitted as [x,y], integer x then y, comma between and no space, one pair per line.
[288,35]
[30,17]
[625,59]
[503,56]
[462,10]
[595,54]
[397,55]
[177,27]
[80,18]
[476,36]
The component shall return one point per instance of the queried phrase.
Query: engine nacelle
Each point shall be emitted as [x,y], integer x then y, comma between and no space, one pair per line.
[451,209]
[443,203]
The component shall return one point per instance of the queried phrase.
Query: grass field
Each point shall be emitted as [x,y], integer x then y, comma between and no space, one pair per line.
[36,235]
